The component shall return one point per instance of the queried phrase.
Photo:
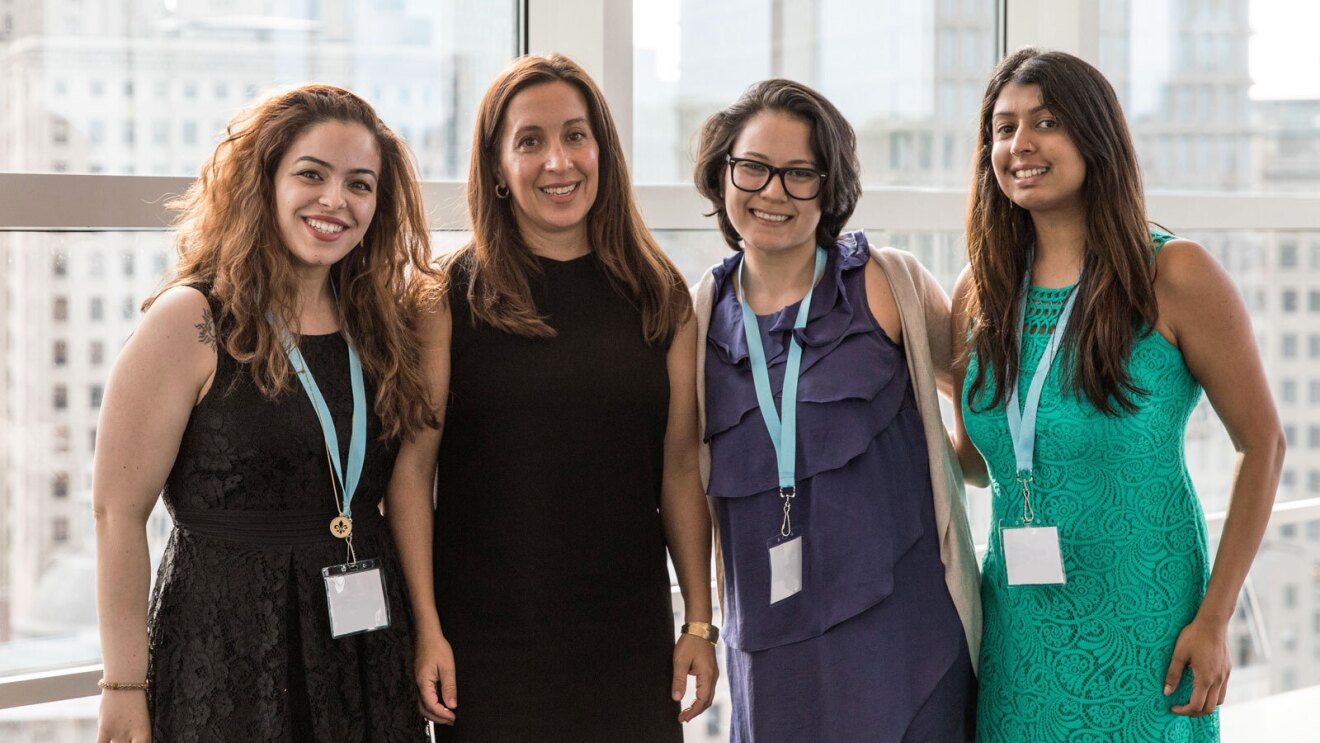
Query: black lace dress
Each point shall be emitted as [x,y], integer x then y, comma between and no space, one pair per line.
[239,637]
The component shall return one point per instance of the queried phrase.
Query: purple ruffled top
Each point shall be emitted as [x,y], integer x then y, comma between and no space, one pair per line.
[863,496]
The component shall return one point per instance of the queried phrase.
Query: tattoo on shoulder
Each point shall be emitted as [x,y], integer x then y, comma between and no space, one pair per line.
[206,329]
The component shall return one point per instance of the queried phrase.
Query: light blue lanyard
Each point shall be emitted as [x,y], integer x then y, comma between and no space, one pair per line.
[784,437]
[1022,417]
[357,445]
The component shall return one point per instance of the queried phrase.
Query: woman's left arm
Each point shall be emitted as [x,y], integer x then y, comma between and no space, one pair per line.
[687,522]
[1203,315]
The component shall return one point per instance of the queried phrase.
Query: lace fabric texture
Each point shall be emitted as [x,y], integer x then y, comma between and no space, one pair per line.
[1085,661]
[238,631]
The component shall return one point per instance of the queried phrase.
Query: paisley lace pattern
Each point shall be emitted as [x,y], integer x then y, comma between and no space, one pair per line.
[238,631]
[1085,661]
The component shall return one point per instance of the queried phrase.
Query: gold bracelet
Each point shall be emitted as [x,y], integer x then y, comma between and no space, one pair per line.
[113,686]
[705,630]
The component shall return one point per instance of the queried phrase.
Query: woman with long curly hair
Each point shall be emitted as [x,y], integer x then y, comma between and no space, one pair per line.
[265,392]
[561,349]
[1084,338]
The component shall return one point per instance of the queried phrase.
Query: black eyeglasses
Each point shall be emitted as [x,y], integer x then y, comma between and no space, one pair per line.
[802,184]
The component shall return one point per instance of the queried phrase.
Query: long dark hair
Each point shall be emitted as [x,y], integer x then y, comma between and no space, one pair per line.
[1116,296]
[833,142]
[497,260]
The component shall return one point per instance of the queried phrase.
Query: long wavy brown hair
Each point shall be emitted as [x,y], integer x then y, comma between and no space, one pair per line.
[498,261]
[1116,295]
[227,237]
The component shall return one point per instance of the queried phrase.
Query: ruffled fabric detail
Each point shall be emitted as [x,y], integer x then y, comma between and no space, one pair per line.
[862,470]
[844,391]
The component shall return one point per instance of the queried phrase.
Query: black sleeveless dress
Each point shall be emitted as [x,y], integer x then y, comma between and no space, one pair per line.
[550,571]
[238,629]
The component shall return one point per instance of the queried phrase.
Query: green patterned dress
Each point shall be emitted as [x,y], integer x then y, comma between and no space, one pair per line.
[1085,661]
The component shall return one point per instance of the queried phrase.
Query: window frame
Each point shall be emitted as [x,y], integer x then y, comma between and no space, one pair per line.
[598,34]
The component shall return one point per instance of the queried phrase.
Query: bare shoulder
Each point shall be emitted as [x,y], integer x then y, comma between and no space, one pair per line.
[1185,272]
[1192,290]
[174,347]
[881,301]
[180,316]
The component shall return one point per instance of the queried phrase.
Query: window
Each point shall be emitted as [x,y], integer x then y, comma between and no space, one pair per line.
[685,68]
[96,353]
[96,308]
[60,353]
[1289,300]
[1313,437]
[95,393]
[60,397]
[456,46]
[60,309]
[127,262]
[1313,301]
[1289,345]
[59,531]
[59,486]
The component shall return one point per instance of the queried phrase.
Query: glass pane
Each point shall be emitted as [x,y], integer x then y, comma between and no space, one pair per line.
[1220,95]
[69,302]
[149,88]
[908,76]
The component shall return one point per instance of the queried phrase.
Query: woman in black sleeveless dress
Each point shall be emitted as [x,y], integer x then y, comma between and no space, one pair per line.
[562,349]
[298,231]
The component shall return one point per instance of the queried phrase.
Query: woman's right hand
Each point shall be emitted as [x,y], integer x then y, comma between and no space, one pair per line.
[437,689]
[124,718]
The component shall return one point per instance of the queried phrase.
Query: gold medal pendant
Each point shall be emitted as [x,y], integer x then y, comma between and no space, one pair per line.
[341,527]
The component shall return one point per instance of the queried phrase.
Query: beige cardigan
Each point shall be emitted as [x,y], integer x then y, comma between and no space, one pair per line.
[923,310]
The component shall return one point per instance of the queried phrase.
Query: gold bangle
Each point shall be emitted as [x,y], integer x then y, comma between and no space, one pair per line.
[705,630]
[113,686]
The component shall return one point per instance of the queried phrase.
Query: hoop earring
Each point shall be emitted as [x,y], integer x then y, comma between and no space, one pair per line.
[501,191]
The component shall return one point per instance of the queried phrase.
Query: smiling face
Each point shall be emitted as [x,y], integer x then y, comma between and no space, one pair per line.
[549,161]
[770,220]
[1036,163]
[325,191]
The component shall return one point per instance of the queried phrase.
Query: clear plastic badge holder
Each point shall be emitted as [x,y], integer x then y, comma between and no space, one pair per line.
[785,567]
[1031,553]
[355,594]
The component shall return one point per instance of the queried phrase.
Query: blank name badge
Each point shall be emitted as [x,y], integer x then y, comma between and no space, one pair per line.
[355,593]
[785,567]
[1032,556]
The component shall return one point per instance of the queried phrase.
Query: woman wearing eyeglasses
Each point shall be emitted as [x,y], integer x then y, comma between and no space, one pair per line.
[850,603]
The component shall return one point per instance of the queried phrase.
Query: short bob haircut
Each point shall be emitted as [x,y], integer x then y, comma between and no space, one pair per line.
[833,142]
[498,262]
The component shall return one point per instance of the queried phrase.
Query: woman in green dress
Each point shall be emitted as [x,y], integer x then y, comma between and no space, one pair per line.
[1103,619]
